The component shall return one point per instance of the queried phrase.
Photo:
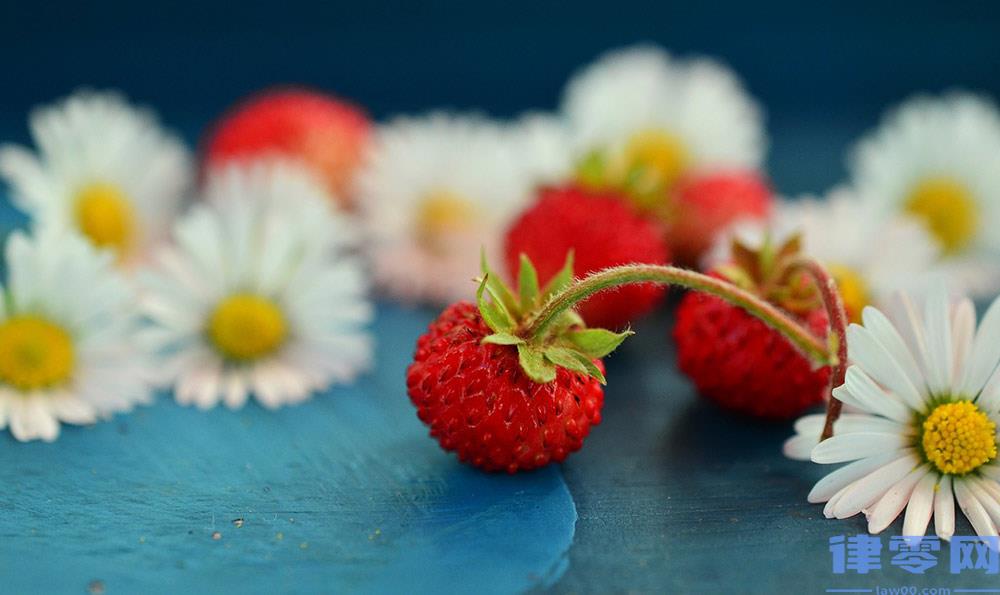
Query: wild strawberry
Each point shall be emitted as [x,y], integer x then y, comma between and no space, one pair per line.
[601,230]
[327,133]
[707,204]
[500,401]
[738,361]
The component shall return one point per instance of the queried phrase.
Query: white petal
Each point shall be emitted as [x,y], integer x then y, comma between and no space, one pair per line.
[886,334]
[892,503]
[985,352]
[30,420]
[236,390]
[937,325]
[921,507]
[862,392]
[857,445]
[867,490]
[944,509]
[986,497]
[827,487]
[963,329]
[869,354]
[973,509]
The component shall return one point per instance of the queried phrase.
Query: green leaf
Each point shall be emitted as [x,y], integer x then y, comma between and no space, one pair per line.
[497,288]
[502,339]
[527,283]
[496,318]
[562,279]
[597,342]
[535,365]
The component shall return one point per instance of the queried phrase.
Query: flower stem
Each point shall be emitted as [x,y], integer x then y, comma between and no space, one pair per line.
[837,317]
[812,347]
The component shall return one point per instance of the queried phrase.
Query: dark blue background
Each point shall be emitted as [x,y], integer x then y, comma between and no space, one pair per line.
[824,71]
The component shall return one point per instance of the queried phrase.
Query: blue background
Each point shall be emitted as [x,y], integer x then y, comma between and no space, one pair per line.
[669,494]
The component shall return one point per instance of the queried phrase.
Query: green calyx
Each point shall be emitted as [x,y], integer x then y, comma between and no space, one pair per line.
[566,343]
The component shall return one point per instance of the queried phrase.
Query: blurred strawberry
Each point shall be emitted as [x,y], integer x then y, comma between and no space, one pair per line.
[602,230]
[326,133]
[705,205]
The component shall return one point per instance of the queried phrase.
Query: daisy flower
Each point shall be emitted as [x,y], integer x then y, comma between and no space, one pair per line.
[938,160]
[69,349]
[642,119]
[926,386]
[434,191]
[870,256]
[104,169]
[261,294]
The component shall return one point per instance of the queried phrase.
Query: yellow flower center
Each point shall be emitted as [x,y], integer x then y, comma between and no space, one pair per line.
[442,213]
[948,210]
[34,353]
[959,438]
[245,327]
[104,214]
[853,290]
[654,159]
[648,167]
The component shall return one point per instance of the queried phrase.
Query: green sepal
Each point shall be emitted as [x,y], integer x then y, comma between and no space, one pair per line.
[596,342]
[502,339]
[592,368]
[496,317]
[535,365]
[566,358]
[527,284]
[560,280]
[497,288]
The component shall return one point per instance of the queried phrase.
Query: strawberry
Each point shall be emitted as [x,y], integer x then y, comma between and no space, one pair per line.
[739,362]
[500,401]
[601,230]
[705,205]
[325,132]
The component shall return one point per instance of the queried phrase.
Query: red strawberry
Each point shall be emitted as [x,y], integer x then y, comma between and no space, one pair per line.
[479,403]
[602,230]
[503,402]
[738,361]
[705,205]
[327,133]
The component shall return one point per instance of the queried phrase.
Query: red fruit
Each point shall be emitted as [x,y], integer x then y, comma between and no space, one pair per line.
[705,205]
[479,402]
[742,364]
[603,230]
[325,132]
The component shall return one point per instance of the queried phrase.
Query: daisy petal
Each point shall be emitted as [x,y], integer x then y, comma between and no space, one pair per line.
[985,352]
[892,503]
[869,354]
[920,507]
[973,509]
[864,492]
[856,445]
[836,481]
[944,509]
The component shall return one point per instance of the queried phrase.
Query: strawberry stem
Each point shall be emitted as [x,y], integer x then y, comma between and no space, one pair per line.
[837,317]
[812,347]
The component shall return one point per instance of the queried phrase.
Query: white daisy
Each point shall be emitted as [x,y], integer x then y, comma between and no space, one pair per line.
[938,159]
[69,349]
[871,256]
[261,294]
[927,384]
[433,192]
[642,119]
[104,168]
[542,144]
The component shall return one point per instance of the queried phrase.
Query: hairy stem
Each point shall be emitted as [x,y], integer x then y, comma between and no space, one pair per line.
[837,317]
[812,347]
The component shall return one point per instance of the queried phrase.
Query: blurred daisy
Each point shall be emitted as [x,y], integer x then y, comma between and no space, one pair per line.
[869,255]
[938,160]
[433,192]
[104,168]
[260,295]
[69,348]
[542,145]
[642,120]
[927,387]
